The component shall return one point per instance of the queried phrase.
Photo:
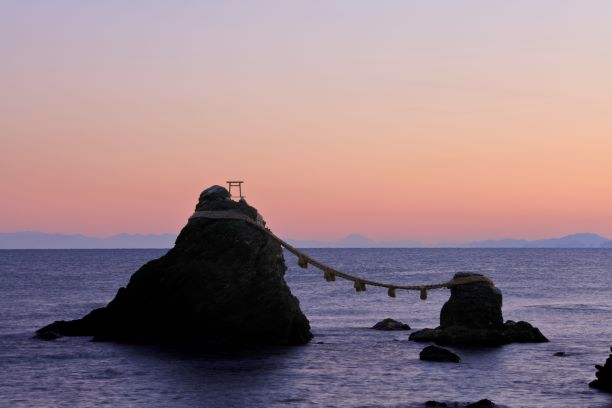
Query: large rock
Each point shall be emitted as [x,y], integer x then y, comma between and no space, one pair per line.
[222,283]
[604,376]
[473,316]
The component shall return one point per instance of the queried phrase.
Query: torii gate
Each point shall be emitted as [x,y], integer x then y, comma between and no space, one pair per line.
[235,183]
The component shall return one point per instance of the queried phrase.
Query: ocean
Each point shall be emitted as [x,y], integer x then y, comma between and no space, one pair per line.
[567,293]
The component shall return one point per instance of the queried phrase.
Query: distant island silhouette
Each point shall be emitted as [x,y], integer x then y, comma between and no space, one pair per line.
[41,240]
[581,240]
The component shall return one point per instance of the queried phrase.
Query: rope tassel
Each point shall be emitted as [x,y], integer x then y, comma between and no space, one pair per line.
[359,286]
[423,294]
[303,262]
[329,276]
[391,292]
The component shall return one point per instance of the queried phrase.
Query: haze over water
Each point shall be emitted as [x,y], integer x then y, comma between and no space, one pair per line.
[566,293]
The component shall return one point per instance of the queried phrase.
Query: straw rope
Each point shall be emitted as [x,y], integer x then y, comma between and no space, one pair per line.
[330,273]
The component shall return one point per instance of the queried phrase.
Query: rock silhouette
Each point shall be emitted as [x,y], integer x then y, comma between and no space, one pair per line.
[390,324]
[439,354]
[483,403]
[473,316]
[604,376]
[222,284]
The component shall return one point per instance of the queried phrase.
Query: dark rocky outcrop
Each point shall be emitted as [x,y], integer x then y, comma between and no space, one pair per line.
[390,324]
[473,316]
[222,284]
[604,376]
[439,354]
[483,403]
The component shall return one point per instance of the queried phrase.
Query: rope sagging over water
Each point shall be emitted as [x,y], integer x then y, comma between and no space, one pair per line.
[330,273]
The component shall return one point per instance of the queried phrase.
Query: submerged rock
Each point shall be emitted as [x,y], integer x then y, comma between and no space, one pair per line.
[390,324]
[483,403]
[47,335]
[222,283]
[439,354]
[604,376]
[473,316]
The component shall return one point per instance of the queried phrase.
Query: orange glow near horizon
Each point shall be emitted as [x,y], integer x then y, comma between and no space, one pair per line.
[398,122]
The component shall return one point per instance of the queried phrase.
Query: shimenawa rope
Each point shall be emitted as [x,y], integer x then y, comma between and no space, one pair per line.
[329,273]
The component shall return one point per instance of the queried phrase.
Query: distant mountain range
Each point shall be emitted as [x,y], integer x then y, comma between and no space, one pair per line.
[585,240]
[40,240]
[355,241]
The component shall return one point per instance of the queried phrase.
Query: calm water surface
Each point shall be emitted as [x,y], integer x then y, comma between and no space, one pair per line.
[566,293]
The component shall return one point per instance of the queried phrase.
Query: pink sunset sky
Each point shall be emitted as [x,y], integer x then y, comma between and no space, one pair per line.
[429,120]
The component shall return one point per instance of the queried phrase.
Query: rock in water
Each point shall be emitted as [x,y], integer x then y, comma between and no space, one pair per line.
[483,403]
[47,335]
[473,316]
[475,305]
[439,354]
[390,324]
[436,404]
[604,376]
[222,284]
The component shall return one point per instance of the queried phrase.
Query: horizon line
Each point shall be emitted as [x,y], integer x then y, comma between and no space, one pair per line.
[43,240]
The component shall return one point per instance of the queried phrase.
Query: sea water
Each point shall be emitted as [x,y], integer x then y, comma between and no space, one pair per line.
[567,293]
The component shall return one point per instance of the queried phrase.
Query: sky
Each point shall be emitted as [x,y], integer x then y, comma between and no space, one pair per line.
[426,120]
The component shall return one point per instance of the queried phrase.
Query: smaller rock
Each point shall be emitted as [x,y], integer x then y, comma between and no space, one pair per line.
[472,316]
[559,354]
[390,324]
[439,354]
[483,403]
